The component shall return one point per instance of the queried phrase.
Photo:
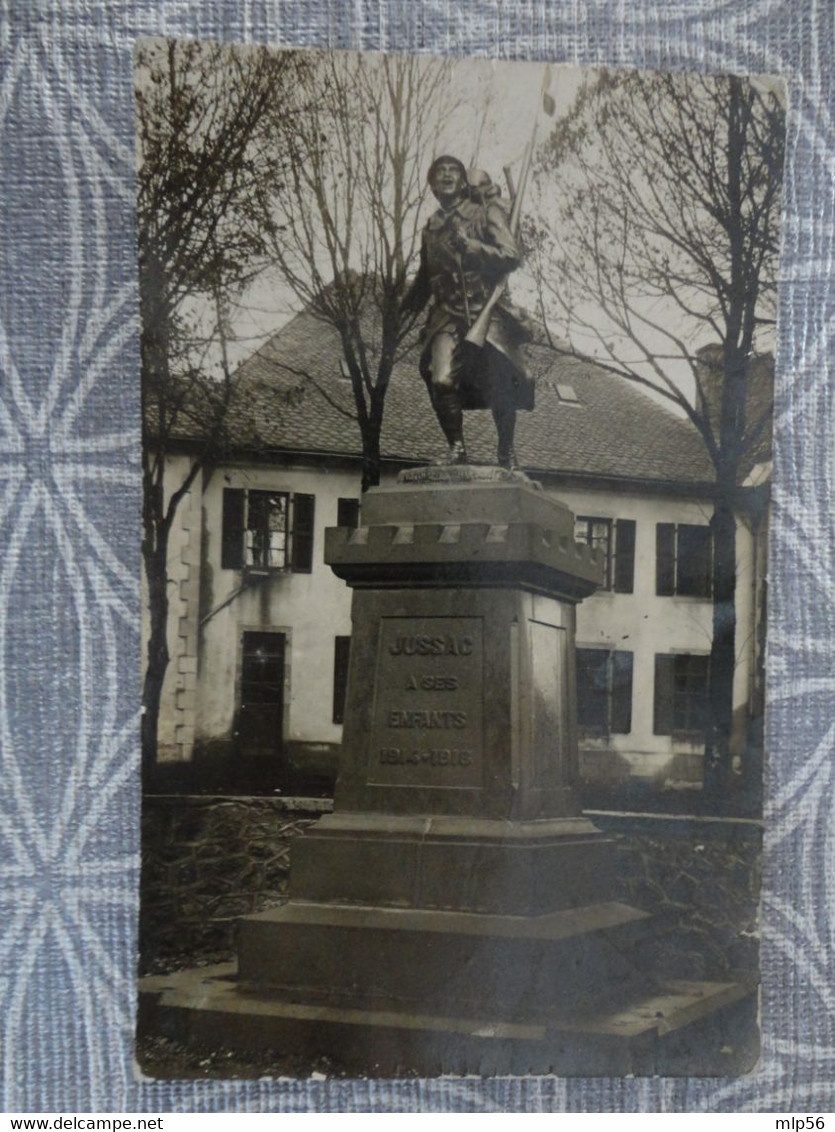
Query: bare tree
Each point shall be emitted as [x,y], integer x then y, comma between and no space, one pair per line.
[347,210]
[204,143]
[658,236]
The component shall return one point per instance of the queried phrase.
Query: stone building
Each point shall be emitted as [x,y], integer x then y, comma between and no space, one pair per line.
[260,627]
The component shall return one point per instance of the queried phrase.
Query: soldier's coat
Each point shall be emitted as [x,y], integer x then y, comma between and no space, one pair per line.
[459,285]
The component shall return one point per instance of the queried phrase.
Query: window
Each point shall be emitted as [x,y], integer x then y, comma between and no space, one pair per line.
[261,717]
[267,530]
[597,533]
[347,512]
[683,560]
[341,653]
[680,693]
[617,542]
[604,691]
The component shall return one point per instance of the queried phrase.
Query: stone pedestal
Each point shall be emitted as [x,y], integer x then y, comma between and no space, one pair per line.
[456,913]
[456,788]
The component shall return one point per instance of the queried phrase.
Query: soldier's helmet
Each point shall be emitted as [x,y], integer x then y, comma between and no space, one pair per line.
[446,159]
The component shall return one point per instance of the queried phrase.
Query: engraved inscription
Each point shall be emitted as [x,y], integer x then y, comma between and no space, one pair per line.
[427,718]
[422,645]
[443,756]
[427,728]
[432,683]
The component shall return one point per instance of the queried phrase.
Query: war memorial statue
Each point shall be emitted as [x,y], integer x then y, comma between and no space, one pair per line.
[458,912]
[471,357]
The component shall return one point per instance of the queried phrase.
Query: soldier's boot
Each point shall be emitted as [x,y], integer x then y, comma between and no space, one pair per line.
[456,454]
[505,419]
[451,419]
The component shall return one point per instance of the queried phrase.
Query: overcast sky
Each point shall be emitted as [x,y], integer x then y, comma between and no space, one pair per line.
[497,106]
[500,104]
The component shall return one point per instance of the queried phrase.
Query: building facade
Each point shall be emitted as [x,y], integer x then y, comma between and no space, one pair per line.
[260,626]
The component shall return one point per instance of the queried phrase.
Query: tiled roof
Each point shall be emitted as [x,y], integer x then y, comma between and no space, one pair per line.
[291,395]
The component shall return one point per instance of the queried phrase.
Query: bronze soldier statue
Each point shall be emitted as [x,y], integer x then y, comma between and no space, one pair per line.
[467,249]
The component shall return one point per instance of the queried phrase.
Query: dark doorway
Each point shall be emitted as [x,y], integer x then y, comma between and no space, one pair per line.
[262,694]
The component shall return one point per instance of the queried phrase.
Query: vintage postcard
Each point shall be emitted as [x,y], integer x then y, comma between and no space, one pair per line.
[457,402]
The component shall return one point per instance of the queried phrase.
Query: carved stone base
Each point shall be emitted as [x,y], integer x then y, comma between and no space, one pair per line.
[464,473]
[679,1028]
[498,867]
[420,961]
[457,913]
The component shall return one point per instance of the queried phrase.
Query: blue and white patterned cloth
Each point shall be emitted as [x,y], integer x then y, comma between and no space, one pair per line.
[69,508]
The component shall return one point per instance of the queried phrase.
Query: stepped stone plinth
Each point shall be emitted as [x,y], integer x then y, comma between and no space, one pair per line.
[457,913]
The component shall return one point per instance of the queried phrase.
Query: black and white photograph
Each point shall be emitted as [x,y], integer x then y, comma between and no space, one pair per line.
[457,397]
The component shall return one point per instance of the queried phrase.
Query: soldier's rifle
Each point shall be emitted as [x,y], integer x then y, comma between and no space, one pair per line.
[477,334]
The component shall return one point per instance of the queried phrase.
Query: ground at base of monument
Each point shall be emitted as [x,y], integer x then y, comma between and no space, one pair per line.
[682,1028]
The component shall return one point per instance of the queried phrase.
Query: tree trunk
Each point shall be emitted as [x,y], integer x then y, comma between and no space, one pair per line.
[371,456]
[717,768]
[158,657]
[371,432]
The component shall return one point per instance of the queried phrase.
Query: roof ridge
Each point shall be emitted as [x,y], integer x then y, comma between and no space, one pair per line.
[613,431]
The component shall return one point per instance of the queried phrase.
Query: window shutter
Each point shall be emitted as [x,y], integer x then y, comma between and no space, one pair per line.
[232,537]
[665,559]
[624,556]
[302,550]
[341,653]
[694,561]
[663,701]
[621,693]
[348,513]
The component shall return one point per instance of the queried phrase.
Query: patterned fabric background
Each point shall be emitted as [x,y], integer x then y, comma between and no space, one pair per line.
[70,497]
